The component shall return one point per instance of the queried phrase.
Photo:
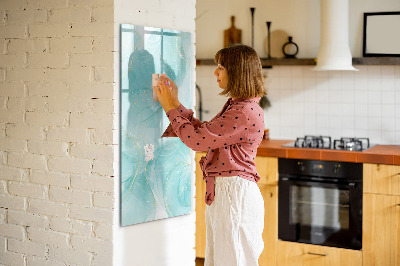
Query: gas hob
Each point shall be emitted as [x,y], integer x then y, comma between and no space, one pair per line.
[325,142]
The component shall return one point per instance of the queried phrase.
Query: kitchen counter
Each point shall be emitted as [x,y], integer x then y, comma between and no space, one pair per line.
[379,154]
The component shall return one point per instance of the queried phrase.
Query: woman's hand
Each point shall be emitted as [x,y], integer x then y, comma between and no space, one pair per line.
[174,91]
[164,96]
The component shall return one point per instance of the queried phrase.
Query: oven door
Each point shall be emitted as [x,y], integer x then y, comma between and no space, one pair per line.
[320,212]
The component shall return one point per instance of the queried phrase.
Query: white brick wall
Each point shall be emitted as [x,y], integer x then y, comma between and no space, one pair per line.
[56,126]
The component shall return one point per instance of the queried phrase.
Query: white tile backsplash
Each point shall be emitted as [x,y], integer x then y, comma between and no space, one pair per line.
[387,124]
[397,72]
[347,123]
[374,97]
[335,95]
[364,103]
[388,110]
[322,95]
[387,71]
[361,124]
[388,97]
[397,95]
[389,135]
[348,95]
[388,83]
[374,123]
[374,110]
[361,110]
[310,109]
[347,110]
[322,121]
[374,83]
[375,136]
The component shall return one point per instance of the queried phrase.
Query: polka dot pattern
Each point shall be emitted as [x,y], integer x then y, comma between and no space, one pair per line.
[231,139]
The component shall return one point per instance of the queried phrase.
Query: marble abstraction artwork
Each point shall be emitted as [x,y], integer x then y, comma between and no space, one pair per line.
[155,171]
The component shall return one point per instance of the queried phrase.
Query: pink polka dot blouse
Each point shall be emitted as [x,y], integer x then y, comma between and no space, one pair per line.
[231,139]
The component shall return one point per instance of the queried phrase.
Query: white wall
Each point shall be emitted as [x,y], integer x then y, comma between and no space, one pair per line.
[56,121]
[299,18]
[338,104]
[163,242]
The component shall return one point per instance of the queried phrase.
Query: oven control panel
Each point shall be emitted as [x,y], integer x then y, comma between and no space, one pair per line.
[330,169]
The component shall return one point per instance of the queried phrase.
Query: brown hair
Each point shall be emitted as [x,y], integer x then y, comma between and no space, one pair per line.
[245,78]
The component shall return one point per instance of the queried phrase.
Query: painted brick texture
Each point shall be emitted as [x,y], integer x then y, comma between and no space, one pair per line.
[56,127]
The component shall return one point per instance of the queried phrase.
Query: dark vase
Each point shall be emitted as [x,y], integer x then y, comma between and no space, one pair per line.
[290,49]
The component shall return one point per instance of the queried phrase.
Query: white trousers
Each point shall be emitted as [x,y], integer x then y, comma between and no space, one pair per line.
[234,223]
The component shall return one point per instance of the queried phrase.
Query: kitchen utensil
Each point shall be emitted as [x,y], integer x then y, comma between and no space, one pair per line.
[252,9]
[232,35]
[269,38]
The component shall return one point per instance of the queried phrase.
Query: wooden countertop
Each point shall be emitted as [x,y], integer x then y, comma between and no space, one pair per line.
[379,154]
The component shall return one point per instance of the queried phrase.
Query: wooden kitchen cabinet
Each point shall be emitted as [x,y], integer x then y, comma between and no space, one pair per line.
[200,209]
[267,168]
[270,233]
[381,215]
[381,179]
[381,230]
[298,254]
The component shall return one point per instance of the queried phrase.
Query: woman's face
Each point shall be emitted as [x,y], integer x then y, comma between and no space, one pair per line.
[222,76]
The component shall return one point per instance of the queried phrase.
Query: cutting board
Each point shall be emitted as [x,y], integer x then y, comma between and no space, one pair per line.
[232,35]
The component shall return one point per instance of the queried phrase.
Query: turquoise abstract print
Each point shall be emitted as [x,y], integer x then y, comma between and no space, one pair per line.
[155,171]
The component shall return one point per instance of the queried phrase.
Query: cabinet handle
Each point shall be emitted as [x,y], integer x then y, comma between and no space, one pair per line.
[398,204]
[318,254]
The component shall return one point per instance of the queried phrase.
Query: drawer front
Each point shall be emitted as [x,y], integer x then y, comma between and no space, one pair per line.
[293,254]
[381,179]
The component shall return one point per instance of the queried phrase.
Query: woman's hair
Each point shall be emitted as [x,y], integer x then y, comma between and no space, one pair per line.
[245,78]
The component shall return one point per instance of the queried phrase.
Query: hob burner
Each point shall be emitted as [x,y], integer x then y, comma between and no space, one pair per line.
[321,142]
[351,144]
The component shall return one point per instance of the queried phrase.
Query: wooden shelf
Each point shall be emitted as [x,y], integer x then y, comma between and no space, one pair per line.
[268,63]
[312,61]
[288,62]
[376,61]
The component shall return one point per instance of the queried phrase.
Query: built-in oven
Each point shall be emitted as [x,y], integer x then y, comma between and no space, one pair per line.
[320,202]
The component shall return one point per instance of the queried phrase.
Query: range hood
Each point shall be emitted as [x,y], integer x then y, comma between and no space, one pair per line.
[334,51]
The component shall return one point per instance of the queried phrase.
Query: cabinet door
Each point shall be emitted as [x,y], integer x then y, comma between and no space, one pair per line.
[270,233]
[297,254]
[381,179]
[267,168]
[200,209]
[381,230]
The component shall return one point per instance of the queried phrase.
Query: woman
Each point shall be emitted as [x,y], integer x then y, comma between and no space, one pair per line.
[235,207]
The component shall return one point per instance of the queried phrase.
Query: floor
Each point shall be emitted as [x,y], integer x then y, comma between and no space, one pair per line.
[199,262]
